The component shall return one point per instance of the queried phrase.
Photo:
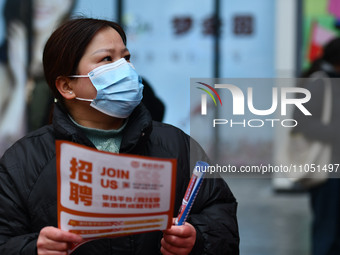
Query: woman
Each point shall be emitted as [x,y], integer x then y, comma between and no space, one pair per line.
[25,101]
[85,60]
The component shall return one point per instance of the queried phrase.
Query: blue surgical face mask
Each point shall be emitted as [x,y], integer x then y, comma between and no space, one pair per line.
[119,88]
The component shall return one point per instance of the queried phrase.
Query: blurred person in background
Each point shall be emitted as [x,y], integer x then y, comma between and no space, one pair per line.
[25,100]
[325,197]
[152,102]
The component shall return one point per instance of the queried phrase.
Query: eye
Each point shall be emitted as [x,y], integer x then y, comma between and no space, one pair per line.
[127,58]
[107,58]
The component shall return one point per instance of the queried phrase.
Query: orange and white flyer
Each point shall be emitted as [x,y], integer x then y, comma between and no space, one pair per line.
[102,194]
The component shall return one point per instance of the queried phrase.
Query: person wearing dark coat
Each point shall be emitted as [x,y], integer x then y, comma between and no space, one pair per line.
[82,60]
[325,197]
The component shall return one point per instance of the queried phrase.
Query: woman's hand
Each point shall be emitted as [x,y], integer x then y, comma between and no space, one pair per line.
[12,125]
[178,240]
[54,241]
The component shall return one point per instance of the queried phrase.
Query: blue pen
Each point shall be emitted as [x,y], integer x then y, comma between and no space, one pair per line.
[191,192]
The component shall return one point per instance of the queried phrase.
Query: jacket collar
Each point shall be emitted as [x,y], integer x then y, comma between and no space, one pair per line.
[135,134]
[137,130]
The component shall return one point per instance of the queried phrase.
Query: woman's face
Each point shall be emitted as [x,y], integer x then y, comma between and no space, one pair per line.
[106,47]
[48,13]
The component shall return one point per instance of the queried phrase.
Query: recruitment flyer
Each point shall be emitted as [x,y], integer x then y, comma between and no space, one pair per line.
[102,194]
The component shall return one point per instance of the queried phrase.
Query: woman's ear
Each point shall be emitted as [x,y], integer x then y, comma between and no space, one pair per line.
[63,85]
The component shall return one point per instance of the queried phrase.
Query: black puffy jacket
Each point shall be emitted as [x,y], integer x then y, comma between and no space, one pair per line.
[28,189]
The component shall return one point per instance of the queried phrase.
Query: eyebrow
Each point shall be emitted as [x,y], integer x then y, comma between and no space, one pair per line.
[109,51]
